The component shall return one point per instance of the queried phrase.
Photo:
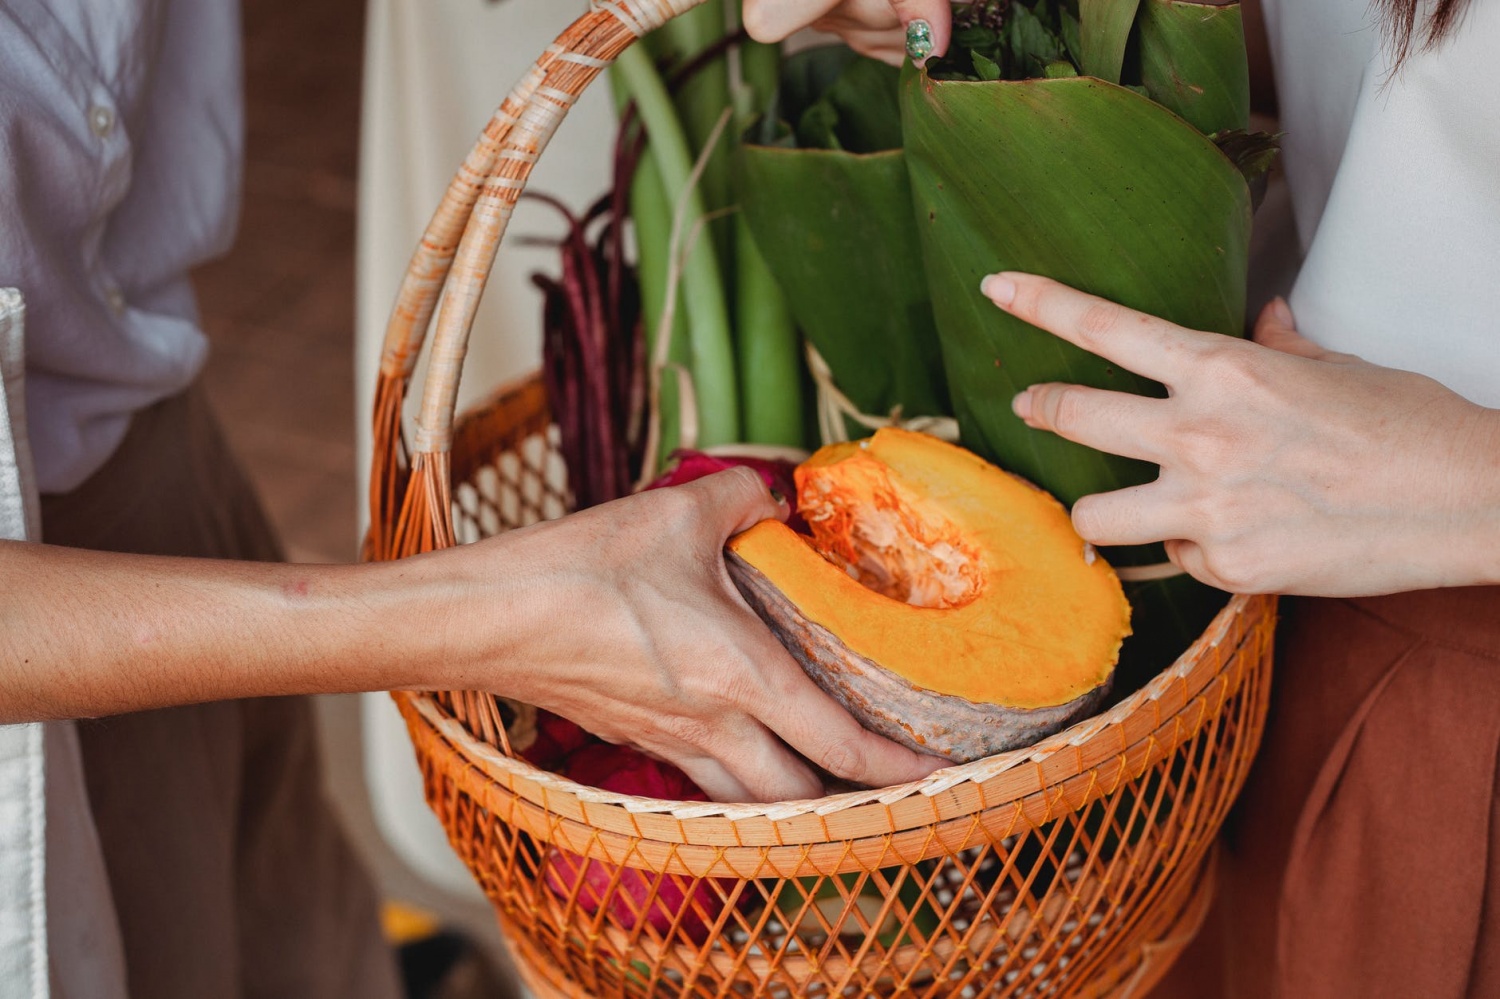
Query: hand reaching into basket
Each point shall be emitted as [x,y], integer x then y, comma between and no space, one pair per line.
[1286,468]
[627,623]
[622,618]
[884,29]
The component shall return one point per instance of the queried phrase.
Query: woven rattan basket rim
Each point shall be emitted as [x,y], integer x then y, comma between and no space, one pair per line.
[1193,671]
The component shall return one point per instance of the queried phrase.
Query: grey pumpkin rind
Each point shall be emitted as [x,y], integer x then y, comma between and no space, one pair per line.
[884,702]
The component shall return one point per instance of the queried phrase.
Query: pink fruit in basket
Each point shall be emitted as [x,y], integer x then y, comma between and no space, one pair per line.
[556,739]
[777,473]
[629,771]
[622,769]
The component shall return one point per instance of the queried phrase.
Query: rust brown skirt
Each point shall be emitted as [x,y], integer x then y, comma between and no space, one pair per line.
[1363,859]
[231,876]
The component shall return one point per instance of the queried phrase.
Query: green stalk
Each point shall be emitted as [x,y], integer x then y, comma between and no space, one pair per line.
[700,101]
[702,290]
[651,212]
[770,365]
[651,217]
[760,72]
[770,362]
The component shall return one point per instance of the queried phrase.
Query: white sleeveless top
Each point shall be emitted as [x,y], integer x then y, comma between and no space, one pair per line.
[1395,184]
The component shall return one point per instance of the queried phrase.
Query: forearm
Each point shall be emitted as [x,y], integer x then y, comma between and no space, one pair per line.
[85,633]
[622,618]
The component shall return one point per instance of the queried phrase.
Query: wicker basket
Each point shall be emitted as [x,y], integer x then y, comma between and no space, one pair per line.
[1077,867]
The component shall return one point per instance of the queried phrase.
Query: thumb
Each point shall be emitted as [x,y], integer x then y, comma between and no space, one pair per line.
[735,500]
[1277,328]
[928,24]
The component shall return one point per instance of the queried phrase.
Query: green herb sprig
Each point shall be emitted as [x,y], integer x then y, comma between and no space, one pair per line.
[1012,40]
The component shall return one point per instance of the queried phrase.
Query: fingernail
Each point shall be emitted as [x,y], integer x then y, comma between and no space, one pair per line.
[998,289]
[776,495]
[918,40]
[1282,312]
[1021,405]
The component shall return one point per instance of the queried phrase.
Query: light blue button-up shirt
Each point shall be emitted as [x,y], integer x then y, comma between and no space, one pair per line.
[121,139]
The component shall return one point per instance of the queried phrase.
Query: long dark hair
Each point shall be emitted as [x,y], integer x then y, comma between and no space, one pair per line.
[1407,29]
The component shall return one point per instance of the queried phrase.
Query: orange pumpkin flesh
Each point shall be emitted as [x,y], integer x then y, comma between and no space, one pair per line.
[947,603]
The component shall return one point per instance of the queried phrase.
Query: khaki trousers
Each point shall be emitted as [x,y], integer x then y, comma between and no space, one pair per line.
[231,876]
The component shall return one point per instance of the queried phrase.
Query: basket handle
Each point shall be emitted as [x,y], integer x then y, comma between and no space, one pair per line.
[452,263]
[406,330]
[581,53]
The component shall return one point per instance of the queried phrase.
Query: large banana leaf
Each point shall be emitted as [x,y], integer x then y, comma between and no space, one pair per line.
[1105,32]
[1102,189]
[838,233]
[828,202]
[1193,61]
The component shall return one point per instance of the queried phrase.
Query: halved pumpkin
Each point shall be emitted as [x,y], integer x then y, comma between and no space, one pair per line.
[946,603]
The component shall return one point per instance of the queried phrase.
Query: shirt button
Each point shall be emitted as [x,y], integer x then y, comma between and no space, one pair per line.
[101,119]
[116,299]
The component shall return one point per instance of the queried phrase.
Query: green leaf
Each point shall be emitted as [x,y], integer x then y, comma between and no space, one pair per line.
[818,127]
[836,230]
[1061,69]
[1099,188]
[975,38]
[1072,35]
[984,67]
[807,75]
[1193,62]
[1104,33]
[1086,183]
[867,98]
[1031,42]
[857,111]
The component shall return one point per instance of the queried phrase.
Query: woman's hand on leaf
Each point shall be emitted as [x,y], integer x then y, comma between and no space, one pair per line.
[636,632]
[1284,467]
[876,28]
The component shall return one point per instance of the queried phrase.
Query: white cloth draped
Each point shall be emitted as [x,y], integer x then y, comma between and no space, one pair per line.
[23,851]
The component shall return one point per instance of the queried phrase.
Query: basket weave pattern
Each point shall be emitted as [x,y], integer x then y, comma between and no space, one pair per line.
[1073,867]
[1076,867]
